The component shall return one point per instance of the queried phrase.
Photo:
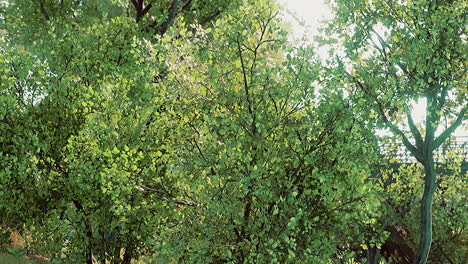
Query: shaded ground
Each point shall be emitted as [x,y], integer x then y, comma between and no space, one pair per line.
[10,259]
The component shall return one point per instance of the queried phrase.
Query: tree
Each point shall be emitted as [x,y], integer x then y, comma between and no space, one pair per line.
[82,144]
[85,137]
[402,185]
[274,169]
[395,53]
[192,131]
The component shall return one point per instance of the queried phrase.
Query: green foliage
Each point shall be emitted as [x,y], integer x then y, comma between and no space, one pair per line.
[396,53]
[17,252]
[403,191]
[194,132]
[10,259]
[262,157]
[85,141]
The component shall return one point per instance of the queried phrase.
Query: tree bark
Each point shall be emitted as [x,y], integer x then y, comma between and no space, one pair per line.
[89,256]
[426,211]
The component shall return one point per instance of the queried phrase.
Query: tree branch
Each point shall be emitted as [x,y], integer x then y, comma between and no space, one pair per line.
[8,122]
[186,5]
[414,151]
[146,9]
[140,10]
[442,137]
[393,218]
[382,43]
[383,51]
[250,107]
[161,30]
[209,18]
[414,130]
[244,74]
[43,11]
[135,3]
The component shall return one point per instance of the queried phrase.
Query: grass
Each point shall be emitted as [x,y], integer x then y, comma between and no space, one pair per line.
[10,259]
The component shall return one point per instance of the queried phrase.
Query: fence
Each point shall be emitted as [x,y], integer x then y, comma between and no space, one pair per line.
[454,149]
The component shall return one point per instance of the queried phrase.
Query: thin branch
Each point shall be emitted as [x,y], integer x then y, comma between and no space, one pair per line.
[393,218]
[163,197]
[385,45]
[209,18]
[395,15]
[199,150]
[246,85]
[381,40]
[186,5]
[274,102]
[318,144]
[8,122]
[379,49]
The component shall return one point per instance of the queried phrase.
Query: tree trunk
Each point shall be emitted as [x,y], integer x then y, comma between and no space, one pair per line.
[127,257]
[89,249]
[116,256]
[426,211]
[89,257]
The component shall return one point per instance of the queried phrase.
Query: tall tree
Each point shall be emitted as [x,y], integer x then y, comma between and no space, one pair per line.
[82,143]
[85,135]
[274,168]
[396,52]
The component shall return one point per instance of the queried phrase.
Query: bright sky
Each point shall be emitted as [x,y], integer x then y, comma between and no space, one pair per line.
[311,12]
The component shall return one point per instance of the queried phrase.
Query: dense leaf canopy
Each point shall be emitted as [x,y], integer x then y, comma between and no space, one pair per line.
[193,131]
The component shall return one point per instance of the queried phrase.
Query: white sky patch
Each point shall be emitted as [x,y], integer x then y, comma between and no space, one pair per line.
[311,12]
